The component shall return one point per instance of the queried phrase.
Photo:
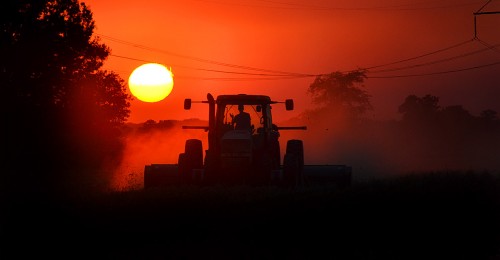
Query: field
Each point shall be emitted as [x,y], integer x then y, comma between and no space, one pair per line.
[445,215]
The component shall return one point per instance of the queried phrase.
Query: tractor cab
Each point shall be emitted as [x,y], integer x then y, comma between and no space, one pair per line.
[256,109]
[244,131]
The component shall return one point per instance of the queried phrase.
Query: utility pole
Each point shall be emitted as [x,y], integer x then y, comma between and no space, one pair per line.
[479,12]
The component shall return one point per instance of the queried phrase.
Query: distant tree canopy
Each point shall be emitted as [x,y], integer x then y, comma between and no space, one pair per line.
[342,90]
[448,136]
[426,113]
[489,115]
[419,108]
[54,93]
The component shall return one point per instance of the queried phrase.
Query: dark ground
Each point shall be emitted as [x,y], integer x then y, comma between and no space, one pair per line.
[431,216]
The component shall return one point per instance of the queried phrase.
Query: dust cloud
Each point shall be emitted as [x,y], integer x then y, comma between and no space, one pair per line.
[379,149]
[153,143]
[374,149]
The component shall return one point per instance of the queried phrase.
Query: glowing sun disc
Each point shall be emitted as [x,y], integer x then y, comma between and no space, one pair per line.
[151,82]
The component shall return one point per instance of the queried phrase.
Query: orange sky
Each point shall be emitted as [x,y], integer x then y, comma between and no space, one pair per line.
[194,37]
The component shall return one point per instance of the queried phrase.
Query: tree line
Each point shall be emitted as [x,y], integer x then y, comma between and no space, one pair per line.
[61,111]
[428,136]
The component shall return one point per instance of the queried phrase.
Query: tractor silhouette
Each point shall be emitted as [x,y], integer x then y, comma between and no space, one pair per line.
[248,154]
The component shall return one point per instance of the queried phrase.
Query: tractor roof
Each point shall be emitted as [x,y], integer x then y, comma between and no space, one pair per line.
[244,99]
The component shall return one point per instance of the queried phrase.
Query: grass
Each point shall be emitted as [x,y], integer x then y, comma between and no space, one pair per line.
[447,215]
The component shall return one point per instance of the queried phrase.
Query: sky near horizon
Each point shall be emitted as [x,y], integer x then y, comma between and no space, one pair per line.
[275,47]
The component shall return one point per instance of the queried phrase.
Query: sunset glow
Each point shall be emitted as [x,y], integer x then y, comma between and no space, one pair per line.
[216,45]
[297,129]
[151,82]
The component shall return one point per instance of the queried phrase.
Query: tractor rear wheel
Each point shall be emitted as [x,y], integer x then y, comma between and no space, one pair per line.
[192,158]
[194,153]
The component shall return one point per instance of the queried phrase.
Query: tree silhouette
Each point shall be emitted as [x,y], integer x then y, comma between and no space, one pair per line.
[339,90]
[489,115]
[457,115]
[59,107]
[419,108]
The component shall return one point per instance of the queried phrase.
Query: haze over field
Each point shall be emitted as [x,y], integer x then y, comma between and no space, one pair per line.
[374,149]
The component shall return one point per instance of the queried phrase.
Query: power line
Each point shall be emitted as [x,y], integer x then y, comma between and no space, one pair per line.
[421,56]
[241,79]
[436,73]
[312,7]
[279,73]
[220,71]
[263,76]
[479,12]
[440,61]
[273,72]
[490,47]
[274,77]
[482,7]
[288,75]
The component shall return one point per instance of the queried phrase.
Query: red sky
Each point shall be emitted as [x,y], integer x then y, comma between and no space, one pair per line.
[194,37]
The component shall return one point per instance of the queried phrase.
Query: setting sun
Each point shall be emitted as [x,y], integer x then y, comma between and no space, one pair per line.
[151,82]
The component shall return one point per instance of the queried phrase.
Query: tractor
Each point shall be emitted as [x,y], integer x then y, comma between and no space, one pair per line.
[248,156]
